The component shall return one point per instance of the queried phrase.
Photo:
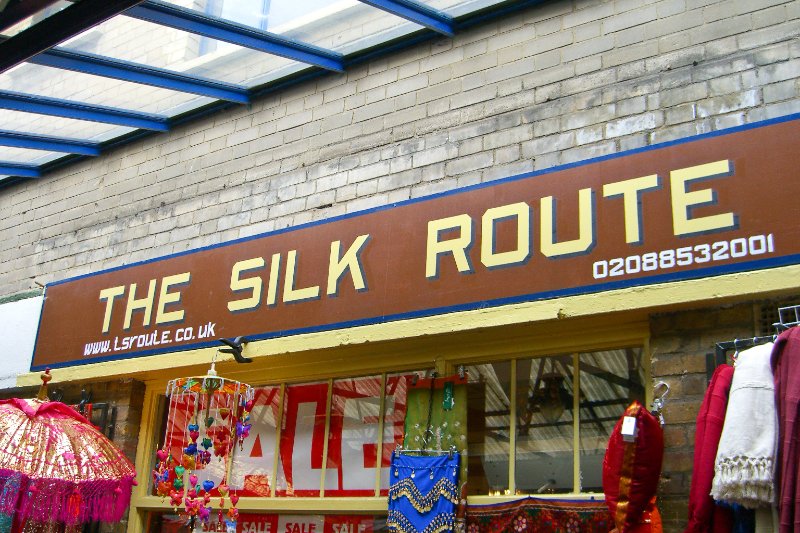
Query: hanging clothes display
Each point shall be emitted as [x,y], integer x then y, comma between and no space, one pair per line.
[436,416]
[631,470]
[423,494]
[705,515]
[744,467]
[436,419]
[785,365]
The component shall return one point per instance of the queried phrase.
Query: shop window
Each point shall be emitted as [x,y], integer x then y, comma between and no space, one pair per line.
[350,425]
[488,419]
[562,421]
[544,426]
[302,440]
[255,460]
[609,382]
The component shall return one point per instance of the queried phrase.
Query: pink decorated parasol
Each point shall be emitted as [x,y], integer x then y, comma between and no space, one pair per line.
[55,466]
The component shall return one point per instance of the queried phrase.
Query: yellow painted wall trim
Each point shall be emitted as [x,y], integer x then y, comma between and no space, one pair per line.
[635,300]
[364,505]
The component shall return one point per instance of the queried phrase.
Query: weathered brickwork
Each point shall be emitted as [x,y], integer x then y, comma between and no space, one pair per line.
[679,343]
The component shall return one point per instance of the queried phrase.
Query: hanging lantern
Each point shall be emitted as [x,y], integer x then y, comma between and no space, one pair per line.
[209,418]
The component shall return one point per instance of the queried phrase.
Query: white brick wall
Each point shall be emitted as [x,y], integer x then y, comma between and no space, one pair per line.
[553,84]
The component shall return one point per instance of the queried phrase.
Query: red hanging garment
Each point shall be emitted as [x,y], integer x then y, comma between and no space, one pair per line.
[631,470]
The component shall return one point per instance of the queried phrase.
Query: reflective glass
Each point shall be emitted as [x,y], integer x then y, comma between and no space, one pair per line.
[353,437]
[146,43]
[488,418]
[59,127]
[347,27]
[10,154]
[394,417]
[456,8]
[544,441]
[302,439]
[36,18]
[254,463]
[97,90]
[610,381]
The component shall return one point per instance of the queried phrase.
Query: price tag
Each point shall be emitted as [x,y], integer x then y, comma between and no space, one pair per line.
[629,429]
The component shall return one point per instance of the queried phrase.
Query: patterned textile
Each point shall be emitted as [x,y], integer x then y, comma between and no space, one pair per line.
[541,516]
[448,425]
[56,466]
[423,493]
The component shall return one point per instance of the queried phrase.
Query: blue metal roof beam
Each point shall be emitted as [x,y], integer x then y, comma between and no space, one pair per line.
[58,27]
[238,34]
[80,111]
[23,171]
[136,73]
[51,144]
[432,19]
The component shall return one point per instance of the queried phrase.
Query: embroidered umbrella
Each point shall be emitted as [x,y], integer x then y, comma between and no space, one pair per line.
[55,466]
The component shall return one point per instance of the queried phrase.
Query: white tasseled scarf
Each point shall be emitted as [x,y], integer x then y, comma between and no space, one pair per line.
[744,468]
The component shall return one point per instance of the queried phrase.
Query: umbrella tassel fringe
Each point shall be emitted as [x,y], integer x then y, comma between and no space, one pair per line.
[62,501]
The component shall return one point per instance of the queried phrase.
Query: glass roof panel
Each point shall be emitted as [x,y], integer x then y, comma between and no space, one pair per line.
[10,154]
[347,26]
[180,51]
[36,18]
[59,127]
[456,8]
[344,26]
[97,90]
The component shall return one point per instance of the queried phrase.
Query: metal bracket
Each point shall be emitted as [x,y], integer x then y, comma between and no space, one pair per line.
[235,348]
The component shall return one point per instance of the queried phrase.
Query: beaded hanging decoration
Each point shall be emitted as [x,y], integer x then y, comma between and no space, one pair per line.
[209,417]
[423,493]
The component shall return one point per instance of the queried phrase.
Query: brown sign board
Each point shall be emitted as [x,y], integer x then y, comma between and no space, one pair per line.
[704,206]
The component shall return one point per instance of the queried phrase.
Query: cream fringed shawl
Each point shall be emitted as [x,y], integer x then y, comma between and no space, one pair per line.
[744,468]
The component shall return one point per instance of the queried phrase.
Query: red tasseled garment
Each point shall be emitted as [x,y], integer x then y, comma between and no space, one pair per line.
[704,515]
[786,368]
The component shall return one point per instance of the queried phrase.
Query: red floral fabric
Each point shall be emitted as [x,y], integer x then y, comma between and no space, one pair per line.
[541,516]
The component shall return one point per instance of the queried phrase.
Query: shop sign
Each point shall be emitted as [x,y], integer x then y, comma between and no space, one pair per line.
[704,206]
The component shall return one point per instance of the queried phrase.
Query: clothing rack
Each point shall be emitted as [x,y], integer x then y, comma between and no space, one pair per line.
[423,451]
[787,317]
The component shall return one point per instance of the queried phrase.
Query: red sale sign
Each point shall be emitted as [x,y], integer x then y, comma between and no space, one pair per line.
[353,438]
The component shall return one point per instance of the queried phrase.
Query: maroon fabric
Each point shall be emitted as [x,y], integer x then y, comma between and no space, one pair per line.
[631,470]
[786,368]
[704,514]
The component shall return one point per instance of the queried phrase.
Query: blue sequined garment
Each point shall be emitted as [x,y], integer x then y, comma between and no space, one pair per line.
[423,493]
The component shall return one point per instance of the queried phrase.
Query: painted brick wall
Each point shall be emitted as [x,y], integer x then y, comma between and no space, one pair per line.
[679,344]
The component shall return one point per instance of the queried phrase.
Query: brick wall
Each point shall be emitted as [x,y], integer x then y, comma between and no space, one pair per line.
[679,344]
